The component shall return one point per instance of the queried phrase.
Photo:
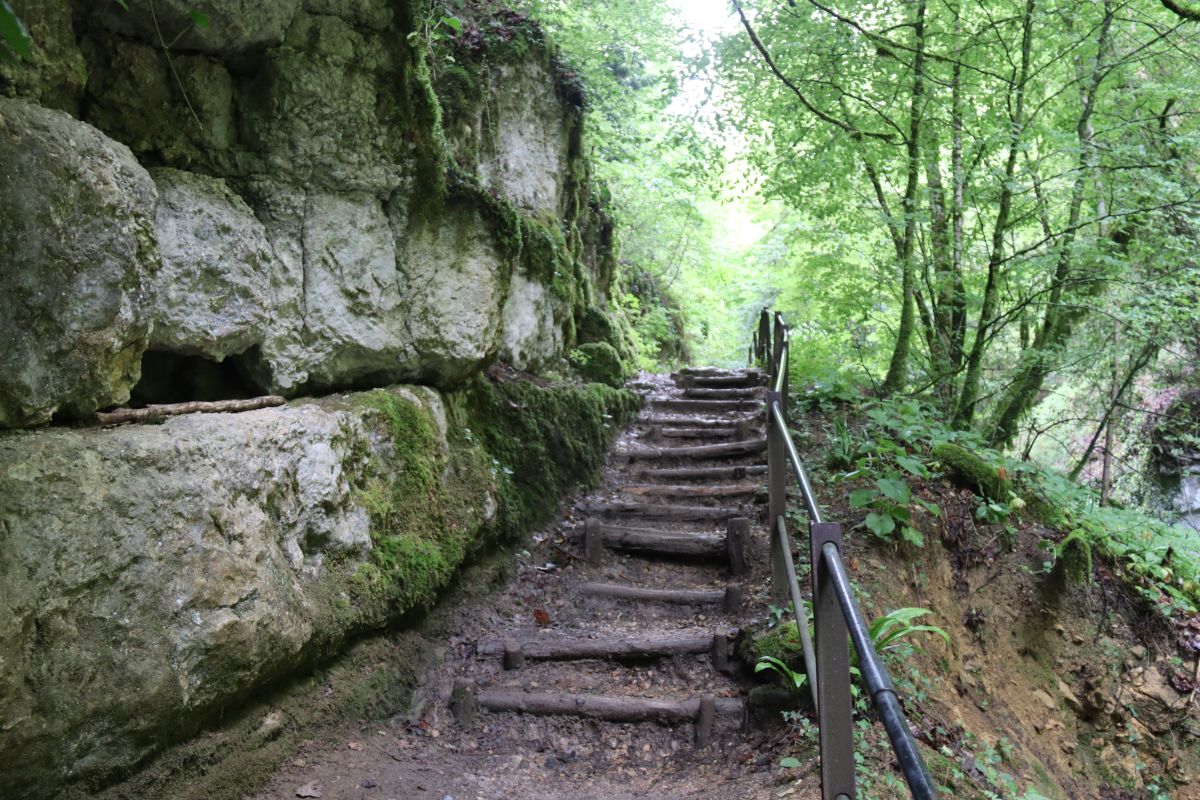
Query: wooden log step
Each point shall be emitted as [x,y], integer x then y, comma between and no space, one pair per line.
[730,598]
[613,708]
[650,540]
[703,473]
[746,447]
[721,394]
[673,513]
[697,433]
[718,371]
[630,648]
[705,406]
[690,492]
[701,422]
[720,381]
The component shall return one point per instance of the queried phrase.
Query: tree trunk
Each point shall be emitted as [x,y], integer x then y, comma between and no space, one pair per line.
[897,374]
[1058,322]
[969,395]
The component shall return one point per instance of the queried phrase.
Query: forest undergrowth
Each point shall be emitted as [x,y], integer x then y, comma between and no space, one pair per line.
[1043,645]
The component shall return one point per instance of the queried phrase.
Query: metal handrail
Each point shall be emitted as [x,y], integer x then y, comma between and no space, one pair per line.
[828,665]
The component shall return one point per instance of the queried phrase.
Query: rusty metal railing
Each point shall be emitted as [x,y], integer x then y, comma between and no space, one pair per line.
[837,618]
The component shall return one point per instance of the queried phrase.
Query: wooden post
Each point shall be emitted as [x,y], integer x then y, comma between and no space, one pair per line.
[720,652]
[462,703]
[705,716]
[514,655]
[733,597]
[737,531]
[593,542]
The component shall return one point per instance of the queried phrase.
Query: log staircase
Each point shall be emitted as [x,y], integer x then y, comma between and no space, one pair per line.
[663,549]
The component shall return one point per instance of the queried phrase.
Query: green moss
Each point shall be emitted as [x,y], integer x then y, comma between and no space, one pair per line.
[990,481]
[782,642]
[544,440]
[422,525]
[598,362]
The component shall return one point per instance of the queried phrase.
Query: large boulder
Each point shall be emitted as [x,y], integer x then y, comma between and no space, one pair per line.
[212,295]
[151,574]
[77,234]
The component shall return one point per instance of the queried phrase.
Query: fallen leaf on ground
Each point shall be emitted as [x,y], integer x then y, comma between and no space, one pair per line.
[310,789]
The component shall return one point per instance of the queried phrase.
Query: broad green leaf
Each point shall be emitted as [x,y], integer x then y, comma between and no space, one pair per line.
[13,31]
[895,489]
[453,23]
[199,19]
[913,465]
[912,536]
[861,498]
[789,762]
[880,524]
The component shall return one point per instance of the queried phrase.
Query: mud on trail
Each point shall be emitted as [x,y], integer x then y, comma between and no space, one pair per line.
[510,754]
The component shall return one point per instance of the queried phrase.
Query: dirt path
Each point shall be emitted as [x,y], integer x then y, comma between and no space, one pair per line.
[546,607]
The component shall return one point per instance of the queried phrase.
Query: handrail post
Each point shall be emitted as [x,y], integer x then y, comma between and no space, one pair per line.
[834,707]
[764,338]
[776,497]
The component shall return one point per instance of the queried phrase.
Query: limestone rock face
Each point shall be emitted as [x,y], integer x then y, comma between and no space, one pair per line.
[455,278]
[55,74]
[527,161]
[77,237]
[150,573]
[532,337]
[211,296]
[233,26]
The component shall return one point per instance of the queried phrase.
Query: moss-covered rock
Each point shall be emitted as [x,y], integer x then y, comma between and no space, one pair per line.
[227,551]
[598,362]
[543,440]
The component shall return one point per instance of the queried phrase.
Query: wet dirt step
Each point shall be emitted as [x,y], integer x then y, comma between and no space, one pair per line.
[719,381]
[668,491]
[723,394]
[663,511]
[698,421]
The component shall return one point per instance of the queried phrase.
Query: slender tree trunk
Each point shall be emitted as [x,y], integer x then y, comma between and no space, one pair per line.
[897,373]
[969,395]
[1058,323]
